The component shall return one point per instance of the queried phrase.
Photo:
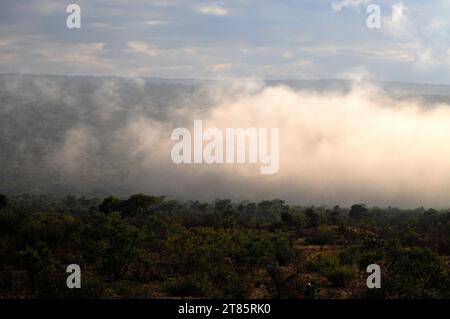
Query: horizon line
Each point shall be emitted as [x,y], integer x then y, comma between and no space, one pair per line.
[223,78]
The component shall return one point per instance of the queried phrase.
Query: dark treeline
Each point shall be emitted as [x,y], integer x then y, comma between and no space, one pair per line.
[153,247]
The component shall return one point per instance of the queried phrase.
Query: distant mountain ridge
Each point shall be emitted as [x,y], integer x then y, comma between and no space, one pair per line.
[314,84]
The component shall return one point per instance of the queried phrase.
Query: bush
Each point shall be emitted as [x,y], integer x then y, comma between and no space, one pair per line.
[323,264]
[330,267]
[340,276]
[321,236]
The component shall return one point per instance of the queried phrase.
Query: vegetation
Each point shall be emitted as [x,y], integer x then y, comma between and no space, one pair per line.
[153,247]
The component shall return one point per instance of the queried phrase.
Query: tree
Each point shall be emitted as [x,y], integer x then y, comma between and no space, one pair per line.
[140,204]
[135,204]
[111,204]
[110,243]
[335,215]
[313,217]
[357,211]
[413,273]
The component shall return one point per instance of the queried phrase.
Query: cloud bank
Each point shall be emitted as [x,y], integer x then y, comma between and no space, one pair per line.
[336,146]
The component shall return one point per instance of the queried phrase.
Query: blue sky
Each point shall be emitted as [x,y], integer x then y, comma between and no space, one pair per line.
[283,39]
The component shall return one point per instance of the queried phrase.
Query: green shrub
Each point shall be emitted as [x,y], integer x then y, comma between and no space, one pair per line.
[323,264]
[340,276]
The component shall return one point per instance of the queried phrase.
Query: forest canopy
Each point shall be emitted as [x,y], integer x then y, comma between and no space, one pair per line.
[155,247]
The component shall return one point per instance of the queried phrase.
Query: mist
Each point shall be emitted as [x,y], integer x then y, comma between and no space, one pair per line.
[340,144]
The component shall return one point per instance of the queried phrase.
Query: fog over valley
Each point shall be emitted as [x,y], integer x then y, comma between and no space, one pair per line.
[341,142]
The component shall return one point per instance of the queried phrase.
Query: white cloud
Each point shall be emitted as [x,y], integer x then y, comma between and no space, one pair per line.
[335,148]
[100,25]
[399,23]
[339,5]
[215,10]
[304,63]
[398,13]
[220,67]
[143,48]
[153,22]
[425,39]
[48,7]
[83,54]
[287,55]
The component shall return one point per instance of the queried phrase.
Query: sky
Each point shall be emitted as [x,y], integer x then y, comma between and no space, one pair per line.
[283,39]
